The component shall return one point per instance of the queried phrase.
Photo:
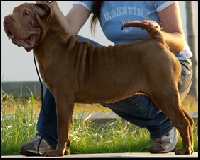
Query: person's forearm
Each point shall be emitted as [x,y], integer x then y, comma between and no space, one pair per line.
[175,41]
[62,19]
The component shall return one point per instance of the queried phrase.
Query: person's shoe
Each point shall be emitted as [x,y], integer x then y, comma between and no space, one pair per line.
[33,145]
[44,146]
[165,143]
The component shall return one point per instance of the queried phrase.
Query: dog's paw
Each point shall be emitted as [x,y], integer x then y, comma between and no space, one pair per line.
[184,151]
[54,153]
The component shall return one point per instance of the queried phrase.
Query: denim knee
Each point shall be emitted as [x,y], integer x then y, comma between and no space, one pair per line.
[141,111]
[137,106]
[185,82]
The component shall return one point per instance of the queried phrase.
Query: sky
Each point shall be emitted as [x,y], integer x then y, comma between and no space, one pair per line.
[18,65]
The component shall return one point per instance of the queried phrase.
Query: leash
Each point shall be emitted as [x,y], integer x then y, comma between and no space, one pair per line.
[31,152]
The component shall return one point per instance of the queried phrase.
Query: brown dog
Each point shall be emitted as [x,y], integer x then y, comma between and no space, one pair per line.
[76,71]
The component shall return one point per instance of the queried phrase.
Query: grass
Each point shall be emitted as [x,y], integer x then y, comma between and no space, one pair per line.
[18,121]
[114,137]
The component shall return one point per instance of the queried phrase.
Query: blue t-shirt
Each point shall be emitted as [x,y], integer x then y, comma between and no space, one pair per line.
[115,13]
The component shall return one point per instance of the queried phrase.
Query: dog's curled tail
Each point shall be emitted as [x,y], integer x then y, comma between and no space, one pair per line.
[147,27]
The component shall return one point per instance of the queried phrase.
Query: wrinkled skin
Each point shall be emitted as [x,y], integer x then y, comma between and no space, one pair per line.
[76,71]
[22,26]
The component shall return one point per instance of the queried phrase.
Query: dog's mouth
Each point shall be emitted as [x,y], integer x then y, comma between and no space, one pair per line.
[28,43]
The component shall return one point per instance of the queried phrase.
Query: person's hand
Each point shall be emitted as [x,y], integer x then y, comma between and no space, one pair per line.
[152,23]
[155,34]
[43,2]
[50,3]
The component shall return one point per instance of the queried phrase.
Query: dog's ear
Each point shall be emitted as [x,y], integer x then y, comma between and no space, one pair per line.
[42,10]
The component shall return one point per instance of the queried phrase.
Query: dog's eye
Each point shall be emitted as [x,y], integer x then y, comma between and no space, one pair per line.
[26,13]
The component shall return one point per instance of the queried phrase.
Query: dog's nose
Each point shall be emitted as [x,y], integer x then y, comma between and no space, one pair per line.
[7,20]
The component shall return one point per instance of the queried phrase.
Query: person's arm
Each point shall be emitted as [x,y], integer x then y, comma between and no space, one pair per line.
[172,27]
[76,18]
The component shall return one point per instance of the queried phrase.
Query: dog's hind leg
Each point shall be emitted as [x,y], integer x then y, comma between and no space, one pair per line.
[170,105]
[190,127]
[186,132]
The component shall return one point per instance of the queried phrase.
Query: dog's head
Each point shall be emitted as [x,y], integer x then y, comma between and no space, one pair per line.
[28,24]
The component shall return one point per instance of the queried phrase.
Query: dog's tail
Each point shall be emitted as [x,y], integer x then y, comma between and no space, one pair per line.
[147,27]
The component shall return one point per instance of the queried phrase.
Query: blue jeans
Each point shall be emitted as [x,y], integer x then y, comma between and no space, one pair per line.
[138,109]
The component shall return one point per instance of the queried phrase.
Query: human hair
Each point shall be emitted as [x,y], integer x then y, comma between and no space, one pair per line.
[96,10]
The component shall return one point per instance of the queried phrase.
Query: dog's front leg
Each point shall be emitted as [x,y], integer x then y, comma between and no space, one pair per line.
[64,109]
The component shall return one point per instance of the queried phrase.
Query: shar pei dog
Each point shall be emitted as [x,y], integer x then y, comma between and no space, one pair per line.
[79,72]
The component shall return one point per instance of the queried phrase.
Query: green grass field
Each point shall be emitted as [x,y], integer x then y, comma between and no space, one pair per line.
[18,120]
